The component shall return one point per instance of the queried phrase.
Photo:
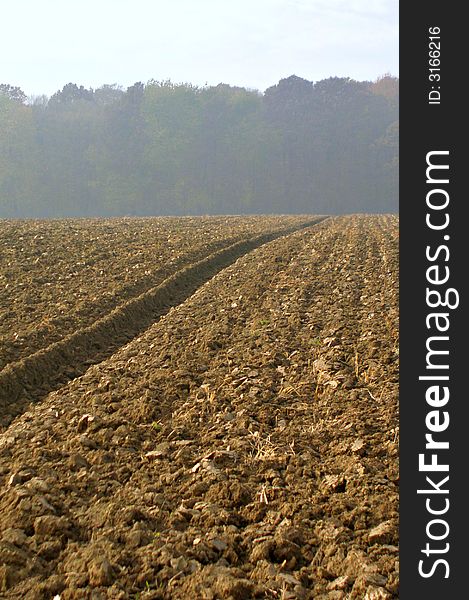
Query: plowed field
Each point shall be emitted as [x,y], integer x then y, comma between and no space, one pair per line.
[76,291]
[244,445]
[57,276]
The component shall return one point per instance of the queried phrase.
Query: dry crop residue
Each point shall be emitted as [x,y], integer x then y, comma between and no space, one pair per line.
[245,446]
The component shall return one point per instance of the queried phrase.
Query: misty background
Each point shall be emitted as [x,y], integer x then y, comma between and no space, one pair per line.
[286,106]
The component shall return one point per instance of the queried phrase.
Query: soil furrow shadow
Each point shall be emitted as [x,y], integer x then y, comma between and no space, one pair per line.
[33,377]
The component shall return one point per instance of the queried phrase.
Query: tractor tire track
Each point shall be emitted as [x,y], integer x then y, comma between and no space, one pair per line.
[43,335]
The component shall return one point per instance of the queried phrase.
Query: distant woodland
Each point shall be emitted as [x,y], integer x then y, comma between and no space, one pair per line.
[161,148]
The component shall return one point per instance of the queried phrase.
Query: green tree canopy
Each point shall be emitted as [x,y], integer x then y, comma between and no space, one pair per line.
[164,148]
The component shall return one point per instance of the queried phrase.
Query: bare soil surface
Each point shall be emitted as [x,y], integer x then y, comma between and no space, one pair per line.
[43,371]
[59,276]
[244,446]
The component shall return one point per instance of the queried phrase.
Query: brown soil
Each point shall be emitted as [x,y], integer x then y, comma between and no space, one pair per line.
[244,446]
[47,369]
[59,276]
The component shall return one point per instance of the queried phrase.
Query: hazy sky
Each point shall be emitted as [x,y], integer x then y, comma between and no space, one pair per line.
[45,44]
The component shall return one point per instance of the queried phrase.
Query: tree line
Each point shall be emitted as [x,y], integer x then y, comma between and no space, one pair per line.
[161,148]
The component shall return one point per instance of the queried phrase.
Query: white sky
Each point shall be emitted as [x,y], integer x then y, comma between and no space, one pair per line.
[45,44]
